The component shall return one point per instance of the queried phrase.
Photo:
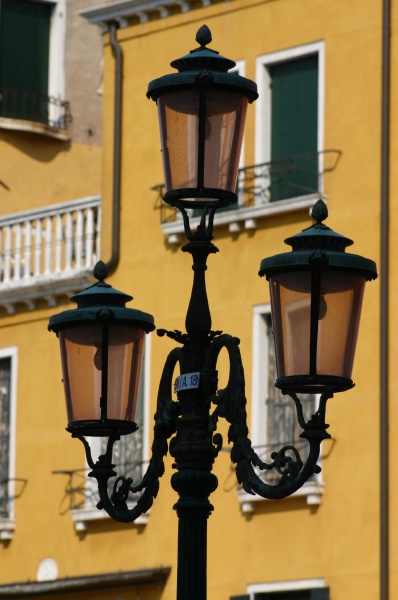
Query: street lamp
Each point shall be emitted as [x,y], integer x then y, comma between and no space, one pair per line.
[316,295]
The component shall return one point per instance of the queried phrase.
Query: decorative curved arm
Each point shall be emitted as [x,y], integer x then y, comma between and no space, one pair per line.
[231,405]
[165,426]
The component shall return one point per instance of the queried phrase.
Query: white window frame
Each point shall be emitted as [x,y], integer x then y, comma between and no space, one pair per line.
[263,108]
[311,490]
[7,525]
[284,586]
[83,516]
[56,70]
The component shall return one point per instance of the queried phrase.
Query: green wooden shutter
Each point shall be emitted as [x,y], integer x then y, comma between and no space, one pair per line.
[311,594]
[288,595]
[24,58]
[320,594]
[294,127]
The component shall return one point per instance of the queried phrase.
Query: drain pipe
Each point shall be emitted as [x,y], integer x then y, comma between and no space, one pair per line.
[113,262]
[384,304]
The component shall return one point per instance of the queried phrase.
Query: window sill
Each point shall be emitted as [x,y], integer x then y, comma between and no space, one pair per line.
[242,218]
[7,528]
[312,490]
[35,127]
[82,517]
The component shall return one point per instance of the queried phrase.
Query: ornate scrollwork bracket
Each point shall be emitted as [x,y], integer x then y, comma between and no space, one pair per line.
[231,405]
[103,469]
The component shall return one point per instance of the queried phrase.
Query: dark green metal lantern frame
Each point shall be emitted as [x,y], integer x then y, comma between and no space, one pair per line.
[101,351]
[316,300]
[202,111]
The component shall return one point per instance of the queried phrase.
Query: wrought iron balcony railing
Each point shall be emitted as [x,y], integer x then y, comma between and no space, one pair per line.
[265,454]
[26,110]
[80,491]
[268,185]
[312,490]
[48,252]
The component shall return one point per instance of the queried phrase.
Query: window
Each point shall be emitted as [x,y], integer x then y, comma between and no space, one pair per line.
[281,423]
[8,371]
[274,421]
[31,64]
[289,114]
[294,126]
[314,594]
[305,589]
[130,455]
[128,452]
[25,57]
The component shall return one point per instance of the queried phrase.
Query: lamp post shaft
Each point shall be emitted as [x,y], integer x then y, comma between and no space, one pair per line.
[198,318]
[193,509]
[192,446]
[194,455]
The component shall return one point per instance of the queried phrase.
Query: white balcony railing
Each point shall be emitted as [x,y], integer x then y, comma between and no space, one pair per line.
[48,252]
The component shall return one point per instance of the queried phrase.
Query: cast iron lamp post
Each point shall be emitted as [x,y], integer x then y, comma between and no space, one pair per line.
[316,296]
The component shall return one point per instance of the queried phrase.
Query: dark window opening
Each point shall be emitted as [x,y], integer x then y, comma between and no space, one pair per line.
[24,59]
[294,127]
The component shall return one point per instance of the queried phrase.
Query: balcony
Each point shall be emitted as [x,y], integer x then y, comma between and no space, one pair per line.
[263,190]
[30,111]
[48,252]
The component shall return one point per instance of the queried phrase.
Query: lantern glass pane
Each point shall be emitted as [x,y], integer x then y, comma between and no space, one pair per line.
[225,122]
[179,131]
[340,303]
[179,127]
[82,362]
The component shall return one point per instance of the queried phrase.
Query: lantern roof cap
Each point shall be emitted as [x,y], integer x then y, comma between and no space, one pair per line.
[319,235]
[318,247]
[202,57]
[100,293]
[203,67]
[99,302]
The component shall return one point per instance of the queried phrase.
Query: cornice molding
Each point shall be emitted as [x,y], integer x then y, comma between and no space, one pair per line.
[122,11]
[86,583]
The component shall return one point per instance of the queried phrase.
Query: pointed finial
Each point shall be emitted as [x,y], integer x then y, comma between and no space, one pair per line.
[203,36]
[319,211]
[100,271]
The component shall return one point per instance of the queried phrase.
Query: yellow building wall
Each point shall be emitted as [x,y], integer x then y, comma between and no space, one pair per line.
[286,540]
[37,171]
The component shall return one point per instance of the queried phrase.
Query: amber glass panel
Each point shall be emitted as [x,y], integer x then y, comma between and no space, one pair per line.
[337,324]
[81,351]
[291,311]
[179,128]
[179,131]
[225,122]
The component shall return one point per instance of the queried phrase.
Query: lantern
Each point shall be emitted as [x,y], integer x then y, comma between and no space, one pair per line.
[101,345]
[316,299]
[202,111]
